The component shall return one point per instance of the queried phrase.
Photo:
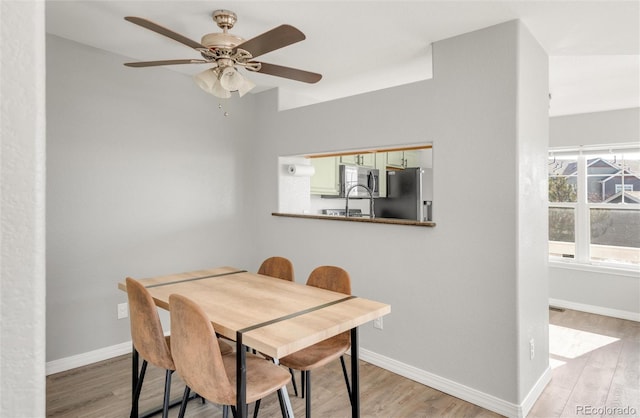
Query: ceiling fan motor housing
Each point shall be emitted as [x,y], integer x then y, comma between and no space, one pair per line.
[221,40]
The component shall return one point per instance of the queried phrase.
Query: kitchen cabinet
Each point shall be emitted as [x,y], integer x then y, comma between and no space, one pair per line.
[403,159]
[325,180]
[395,159]
[412,158]
[364,160]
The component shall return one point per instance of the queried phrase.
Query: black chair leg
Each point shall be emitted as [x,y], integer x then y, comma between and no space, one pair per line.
[293,380]
[167,393]
[307,378]
[256,409]
[136,394]
[346,378]
[225,411]
[302,380]
[185,400]
[283,406]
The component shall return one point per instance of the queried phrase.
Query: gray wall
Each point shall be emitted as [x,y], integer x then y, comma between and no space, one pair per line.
[532,220]
[606,292]
[457,310]
[612,127]
[145,176]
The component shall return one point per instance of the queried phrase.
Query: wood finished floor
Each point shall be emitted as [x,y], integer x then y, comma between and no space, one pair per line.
[596,362]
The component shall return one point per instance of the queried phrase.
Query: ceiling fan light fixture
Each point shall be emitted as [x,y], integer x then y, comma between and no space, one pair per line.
[206,79]
[219,91]
[231,79]
[245,87]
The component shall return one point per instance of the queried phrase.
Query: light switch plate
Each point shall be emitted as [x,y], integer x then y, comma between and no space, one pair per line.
[123,310]
[377,323]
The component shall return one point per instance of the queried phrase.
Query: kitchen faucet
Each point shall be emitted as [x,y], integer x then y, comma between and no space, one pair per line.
[346,209]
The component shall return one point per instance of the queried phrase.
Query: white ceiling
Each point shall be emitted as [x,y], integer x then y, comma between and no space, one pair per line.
[360,46]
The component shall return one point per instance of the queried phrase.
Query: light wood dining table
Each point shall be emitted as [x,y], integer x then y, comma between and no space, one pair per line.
[273,316]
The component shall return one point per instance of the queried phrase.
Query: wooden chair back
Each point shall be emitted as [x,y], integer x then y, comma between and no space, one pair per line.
[330,278]
[146,329]
[335,279]
[278,267]
[196,352]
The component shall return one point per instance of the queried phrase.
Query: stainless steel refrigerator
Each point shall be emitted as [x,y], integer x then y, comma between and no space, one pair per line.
[404,196]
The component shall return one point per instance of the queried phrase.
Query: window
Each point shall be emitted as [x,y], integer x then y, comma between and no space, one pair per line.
[594,206]
[625,187]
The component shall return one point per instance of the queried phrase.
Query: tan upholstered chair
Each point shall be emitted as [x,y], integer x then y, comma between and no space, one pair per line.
[278,267]
[149,341]
[200,364]
[317,355]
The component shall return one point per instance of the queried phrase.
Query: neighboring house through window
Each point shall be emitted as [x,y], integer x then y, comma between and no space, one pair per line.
[594,205]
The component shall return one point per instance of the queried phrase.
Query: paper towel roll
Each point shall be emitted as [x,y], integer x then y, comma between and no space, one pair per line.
[301,170]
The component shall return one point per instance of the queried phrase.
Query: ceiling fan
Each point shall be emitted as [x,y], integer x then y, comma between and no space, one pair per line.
[227,52]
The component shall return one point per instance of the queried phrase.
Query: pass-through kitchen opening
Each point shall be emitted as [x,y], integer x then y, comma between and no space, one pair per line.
[391,183]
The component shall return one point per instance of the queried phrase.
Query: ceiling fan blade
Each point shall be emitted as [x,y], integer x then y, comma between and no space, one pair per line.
[165,62]
[288,72]
[164,31]
[276,38]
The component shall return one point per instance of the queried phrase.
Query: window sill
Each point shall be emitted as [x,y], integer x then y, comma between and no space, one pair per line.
[596,268]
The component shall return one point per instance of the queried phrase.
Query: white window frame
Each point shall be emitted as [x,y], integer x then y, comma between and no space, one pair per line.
[582,210]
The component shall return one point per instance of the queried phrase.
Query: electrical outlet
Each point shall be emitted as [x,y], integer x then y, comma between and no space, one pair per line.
[123,310]
[532,349]
[377,323]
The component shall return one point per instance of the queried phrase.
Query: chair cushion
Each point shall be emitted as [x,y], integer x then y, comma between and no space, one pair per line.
[263,377]
[318,354]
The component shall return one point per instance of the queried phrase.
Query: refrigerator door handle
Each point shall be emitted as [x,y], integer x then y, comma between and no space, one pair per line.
[372,182]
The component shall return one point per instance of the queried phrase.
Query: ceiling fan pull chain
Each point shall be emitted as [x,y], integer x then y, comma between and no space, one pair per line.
[222,110]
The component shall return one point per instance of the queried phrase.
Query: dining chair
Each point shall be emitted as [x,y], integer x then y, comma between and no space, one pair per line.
[279,267]
[202,367]
[315,356]
[149,341]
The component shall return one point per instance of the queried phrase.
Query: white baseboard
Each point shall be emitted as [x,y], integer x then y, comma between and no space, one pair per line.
[84,359]
[458,390]
[535,393]
[599,310]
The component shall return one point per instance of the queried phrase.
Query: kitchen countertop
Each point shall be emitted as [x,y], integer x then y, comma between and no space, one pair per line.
[391,221]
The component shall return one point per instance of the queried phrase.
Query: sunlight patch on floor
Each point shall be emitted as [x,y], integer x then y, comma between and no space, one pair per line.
[555,363]
[571,343]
